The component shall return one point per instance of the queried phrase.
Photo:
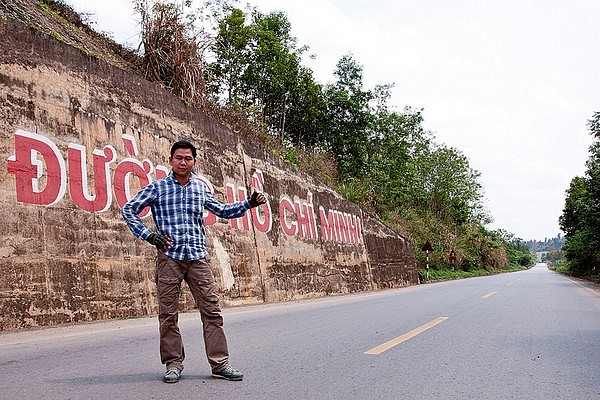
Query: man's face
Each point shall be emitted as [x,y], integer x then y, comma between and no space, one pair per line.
[182,162]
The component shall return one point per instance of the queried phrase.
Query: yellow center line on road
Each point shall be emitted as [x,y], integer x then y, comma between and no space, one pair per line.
[490,294]
[394,342]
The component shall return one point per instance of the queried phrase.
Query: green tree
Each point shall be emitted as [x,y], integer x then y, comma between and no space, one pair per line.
[273,72]
[397,141]
[305,122]
[348,118]
[256,69]
[231,57]
[594,125]
[573,217]
[447,186]
[581,216]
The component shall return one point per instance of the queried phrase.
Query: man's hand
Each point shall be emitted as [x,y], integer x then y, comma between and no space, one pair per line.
[256,199]
[162,242]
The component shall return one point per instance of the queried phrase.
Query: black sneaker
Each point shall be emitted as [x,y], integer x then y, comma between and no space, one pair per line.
[228,373]
[172,375]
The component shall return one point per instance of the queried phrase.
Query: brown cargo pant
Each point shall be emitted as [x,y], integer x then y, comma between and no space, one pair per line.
[198,275]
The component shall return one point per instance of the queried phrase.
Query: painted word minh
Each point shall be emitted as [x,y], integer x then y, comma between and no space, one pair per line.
[42,177]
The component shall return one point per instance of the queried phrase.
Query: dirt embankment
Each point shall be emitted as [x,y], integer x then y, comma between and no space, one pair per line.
[62,23]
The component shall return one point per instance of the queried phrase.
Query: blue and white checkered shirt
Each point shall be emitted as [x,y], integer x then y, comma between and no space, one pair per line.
[177,211]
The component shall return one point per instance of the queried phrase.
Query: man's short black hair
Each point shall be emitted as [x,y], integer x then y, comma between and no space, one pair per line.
[183,144]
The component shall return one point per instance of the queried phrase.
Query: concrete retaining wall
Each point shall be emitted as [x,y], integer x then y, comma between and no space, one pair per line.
[79,136]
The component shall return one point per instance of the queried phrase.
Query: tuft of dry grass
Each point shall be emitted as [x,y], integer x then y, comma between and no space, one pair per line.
[171,53]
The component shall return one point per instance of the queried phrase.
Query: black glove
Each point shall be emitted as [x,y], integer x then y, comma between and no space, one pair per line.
[256,199]
[162,242]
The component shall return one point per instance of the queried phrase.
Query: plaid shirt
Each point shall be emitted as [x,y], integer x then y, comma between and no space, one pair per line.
[177,211]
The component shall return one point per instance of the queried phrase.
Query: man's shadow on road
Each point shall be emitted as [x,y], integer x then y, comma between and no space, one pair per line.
[145,377]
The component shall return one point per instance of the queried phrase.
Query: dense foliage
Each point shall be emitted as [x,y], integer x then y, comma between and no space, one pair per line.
[581,216]
[552,244]
[381,158]
[555,260]
[549,251]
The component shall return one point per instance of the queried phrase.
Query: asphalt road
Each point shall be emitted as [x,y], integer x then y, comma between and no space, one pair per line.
[525,335]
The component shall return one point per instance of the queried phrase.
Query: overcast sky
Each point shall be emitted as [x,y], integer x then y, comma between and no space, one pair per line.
[509,83]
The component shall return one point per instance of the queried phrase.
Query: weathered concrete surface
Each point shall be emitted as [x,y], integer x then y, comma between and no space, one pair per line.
[60,263]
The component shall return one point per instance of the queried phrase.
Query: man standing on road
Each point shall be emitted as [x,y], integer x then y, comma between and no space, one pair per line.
[177,203]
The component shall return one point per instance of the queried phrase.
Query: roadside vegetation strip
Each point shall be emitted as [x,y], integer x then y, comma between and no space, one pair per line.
[447,274]
[490,294]
[403,338]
